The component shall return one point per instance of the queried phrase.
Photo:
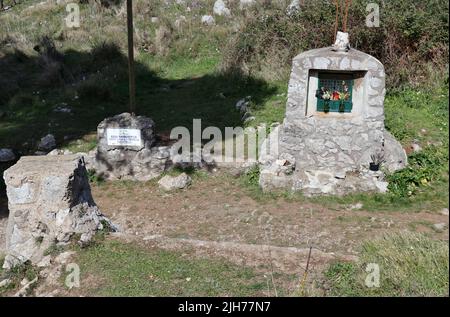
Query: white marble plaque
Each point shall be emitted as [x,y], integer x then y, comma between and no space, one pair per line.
[124,137]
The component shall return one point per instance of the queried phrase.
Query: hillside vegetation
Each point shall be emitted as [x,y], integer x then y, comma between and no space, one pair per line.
[189,70]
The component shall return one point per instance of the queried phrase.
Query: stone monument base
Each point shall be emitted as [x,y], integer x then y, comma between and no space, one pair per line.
[50,202]
[126,149]
[282,167]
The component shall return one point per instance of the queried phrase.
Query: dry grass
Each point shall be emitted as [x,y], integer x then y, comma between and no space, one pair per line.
[411,264]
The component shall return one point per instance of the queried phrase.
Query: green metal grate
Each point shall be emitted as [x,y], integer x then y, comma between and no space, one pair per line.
[333,86]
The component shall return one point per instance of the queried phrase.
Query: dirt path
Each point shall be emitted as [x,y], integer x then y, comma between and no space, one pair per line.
[216,208]
[216,218]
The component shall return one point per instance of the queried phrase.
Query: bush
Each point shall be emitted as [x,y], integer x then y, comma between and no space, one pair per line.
[251,177]
[94,177]
[424,167]
[95,89]
[105,53]
[412,35]
[20,100]
[419,116]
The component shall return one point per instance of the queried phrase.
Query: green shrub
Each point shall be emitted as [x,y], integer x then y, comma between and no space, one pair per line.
[412,35]
[95,89]
[94,177]
[21,100]
[424,167]
[54,249]
[105,53]
[251,177]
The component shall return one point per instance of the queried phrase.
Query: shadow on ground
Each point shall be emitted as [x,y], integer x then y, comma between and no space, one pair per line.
[68,93]
[3,208]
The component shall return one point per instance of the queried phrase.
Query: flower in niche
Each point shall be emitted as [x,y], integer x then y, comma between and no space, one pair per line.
[335,95]
[343,96]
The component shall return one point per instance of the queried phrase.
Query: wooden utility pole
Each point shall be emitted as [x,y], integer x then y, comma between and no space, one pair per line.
[131,73]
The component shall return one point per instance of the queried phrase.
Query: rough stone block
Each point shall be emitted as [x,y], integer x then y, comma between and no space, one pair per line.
[49,201]
[126,121]
[124,161]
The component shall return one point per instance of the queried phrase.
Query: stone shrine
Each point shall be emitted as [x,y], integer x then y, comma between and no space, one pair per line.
[333,127]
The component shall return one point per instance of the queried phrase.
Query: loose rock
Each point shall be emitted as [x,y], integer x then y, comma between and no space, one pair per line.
[5,283]
[64,257]
[180,21]
[356,206]
[208,20]
[415,146]
[221,9]
[243,4]
[7,155]
[440,226]
[45,262]
[242,105]
[47,143]
[293,7]
[178,182]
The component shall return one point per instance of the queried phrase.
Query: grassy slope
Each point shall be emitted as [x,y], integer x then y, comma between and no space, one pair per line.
[113,268]
[182,85]
[128,270]
[410,265]
[171,89]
